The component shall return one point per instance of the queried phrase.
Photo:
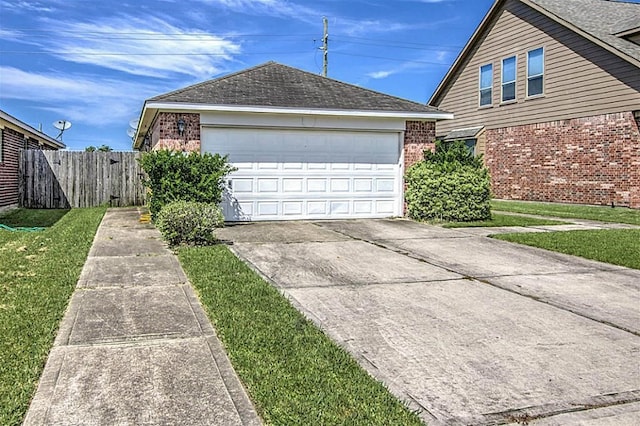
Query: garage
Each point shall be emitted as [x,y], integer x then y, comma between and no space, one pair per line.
[287,174]
[305,146]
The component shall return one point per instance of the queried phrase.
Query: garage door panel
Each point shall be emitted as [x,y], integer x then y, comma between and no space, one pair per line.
[297,174]
[242,185]
[316,185]
[340,185]
[292,185]
[363,185]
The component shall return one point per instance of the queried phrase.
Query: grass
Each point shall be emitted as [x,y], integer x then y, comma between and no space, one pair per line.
[293,372]
[615,246]
[38,274]
[570,211]
[503,220]
[32,217]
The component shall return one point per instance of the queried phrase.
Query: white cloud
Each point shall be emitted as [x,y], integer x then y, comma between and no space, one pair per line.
[148,47]
[381,74]
[29,6]
[86,99]
[436,58]
[281,8]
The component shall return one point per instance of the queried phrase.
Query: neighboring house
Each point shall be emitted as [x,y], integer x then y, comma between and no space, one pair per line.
[549,92]
[14,136]
[306,146]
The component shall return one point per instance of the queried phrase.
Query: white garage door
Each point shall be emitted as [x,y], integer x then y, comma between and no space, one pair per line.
[309,174]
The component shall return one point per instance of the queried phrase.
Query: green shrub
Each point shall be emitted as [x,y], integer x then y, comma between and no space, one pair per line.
[173,176]
[189,222]
[449,185]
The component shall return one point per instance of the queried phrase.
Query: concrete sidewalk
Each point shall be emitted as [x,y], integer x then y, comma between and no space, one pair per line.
[135,346]
[571,224]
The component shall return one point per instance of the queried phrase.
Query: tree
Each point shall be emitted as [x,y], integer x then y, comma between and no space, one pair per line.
[101,148]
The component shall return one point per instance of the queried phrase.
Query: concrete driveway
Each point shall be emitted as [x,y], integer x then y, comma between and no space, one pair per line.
[464,328]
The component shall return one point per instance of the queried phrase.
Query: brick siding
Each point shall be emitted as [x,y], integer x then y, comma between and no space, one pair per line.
[165,132]
[12,143]
[592,160]
[418,137]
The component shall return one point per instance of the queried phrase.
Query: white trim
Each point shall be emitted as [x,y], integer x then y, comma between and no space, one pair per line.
[583,33]
[544,71]
[401,181]
[490,104]
[462,56]
[514,81]
[463,53]
[173,106]
[31,131]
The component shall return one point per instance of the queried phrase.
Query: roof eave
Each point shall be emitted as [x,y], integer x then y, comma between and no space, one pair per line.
[48,140]
[151,108]
[177,106]
[438,93]
[583,33]
[463,53]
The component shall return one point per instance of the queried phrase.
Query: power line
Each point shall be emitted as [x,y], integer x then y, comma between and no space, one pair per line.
[18,52]
[29,32]
[397,42]
[391,59]
[399,46]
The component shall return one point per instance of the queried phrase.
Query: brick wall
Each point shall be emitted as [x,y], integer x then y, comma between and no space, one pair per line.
[592,160]
[165,132]
[12,143]
[418,137]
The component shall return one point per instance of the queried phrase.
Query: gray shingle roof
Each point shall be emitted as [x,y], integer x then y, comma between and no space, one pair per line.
[600,18]
[460,134]
[276,85]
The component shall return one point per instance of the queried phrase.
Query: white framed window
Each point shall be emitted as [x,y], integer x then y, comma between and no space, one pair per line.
[486,84]
[535,72]
[509,68]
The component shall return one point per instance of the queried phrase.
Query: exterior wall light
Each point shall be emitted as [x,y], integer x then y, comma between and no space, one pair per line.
[181,126]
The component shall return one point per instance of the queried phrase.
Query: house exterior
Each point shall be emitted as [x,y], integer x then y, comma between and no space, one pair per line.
[549,92]
[15,136]
[305,146]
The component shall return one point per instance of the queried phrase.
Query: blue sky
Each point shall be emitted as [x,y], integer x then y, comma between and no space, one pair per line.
[94,63]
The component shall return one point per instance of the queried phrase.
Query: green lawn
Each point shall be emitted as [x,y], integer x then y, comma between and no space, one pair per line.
[294,373]
[503,220]
[38,273]
[601,213]
[32,217]
[616,246]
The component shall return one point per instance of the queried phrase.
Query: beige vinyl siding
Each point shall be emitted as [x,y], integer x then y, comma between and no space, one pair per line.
[580,78]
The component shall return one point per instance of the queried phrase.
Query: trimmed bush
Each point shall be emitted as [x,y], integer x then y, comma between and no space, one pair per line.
[174,176]
[189,222]
[449,185]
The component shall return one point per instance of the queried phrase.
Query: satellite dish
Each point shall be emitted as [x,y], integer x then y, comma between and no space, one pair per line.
[131,132]
[134,123]
[61,125]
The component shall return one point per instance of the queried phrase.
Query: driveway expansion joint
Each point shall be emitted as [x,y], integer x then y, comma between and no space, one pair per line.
[550,410]
[564,307]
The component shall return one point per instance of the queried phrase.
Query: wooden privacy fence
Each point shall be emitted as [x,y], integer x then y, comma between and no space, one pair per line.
[64,179]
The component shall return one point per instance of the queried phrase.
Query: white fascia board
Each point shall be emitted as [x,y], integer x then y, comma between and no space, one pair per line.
[31,131]
[172,106]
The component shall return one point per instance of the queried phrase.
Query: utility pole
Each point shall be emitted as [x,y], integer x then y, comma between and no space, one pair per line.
[325,46]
